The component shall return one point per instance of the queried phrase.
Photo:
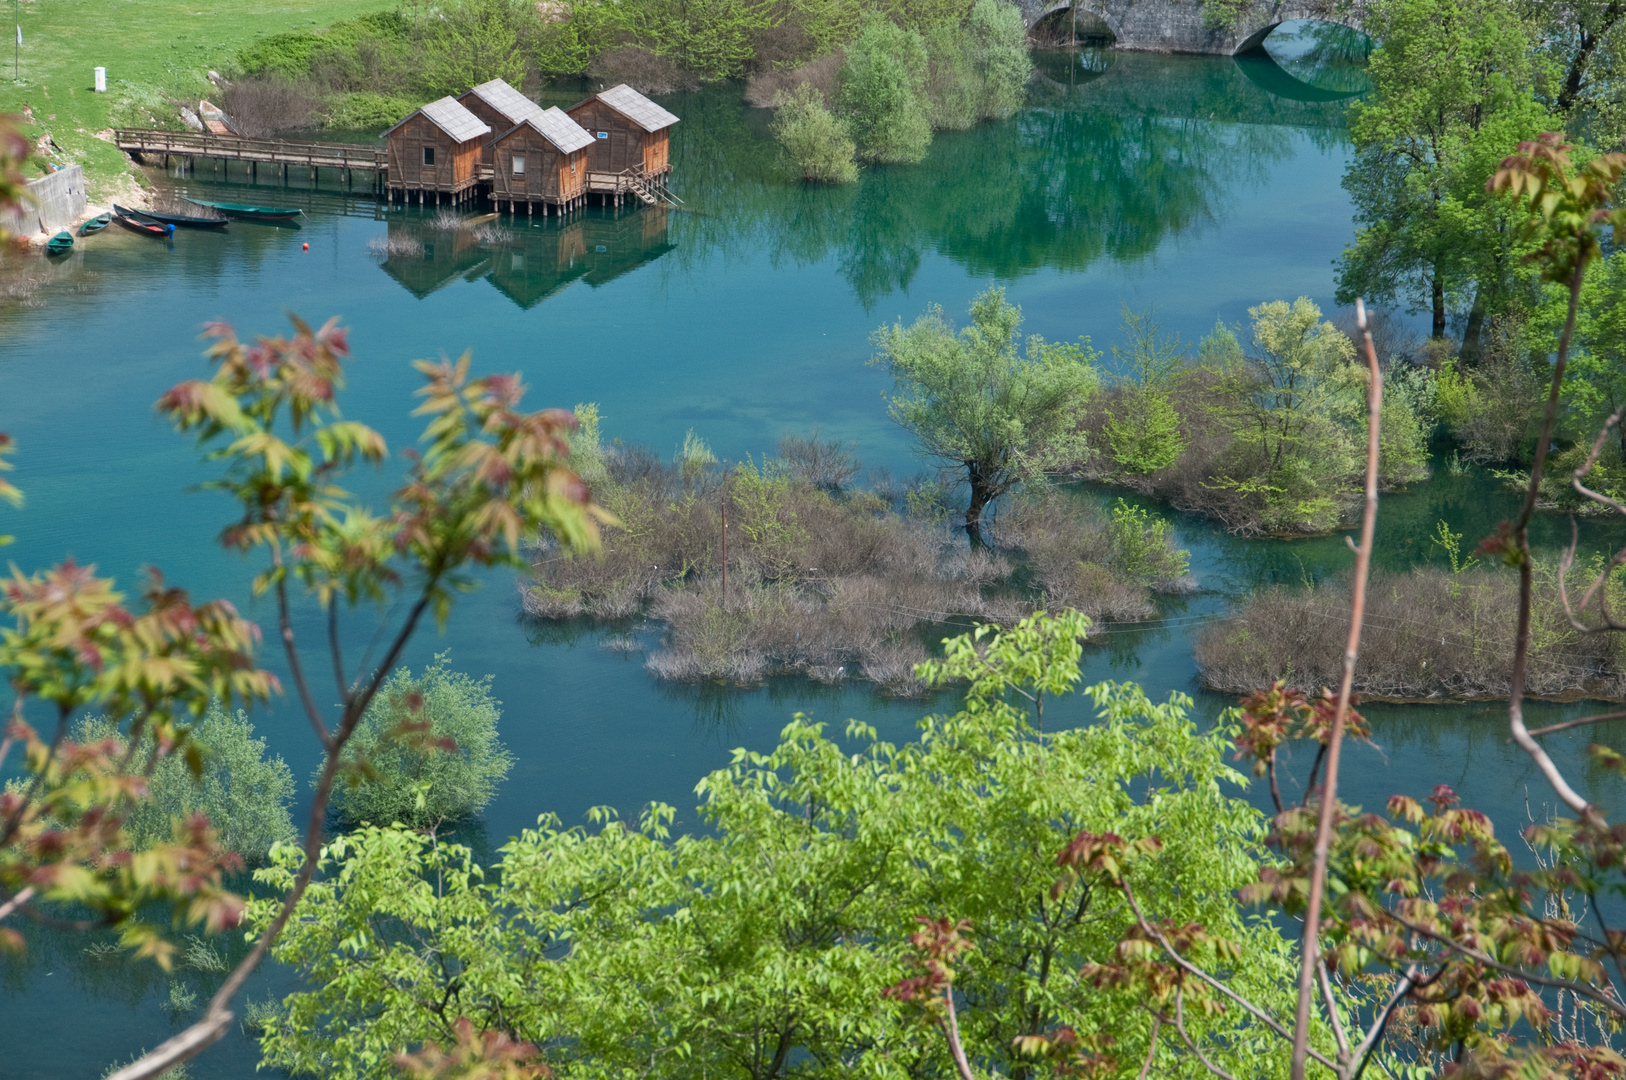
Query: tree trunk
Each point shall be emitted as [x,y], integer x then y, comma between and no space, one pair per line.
[1469,353]
[981,496]
[1439,307]
[1583,56]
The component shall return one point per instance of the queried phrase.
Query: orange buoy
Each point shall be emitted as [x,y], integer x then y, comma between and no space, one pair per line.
[307,247]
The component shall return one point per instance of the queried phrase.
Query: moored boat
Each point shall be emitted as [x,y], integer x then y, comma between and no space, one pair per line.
[150,228]
[95,225]
[252,213]
[60,244]
[172,219]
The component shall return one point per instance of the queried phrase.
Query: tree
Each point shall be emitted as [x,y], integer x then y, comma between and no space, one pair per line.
[1451,84]
[882,95]
[816,141]
[976,401]
[759,944]
[473,41]
[243,795]
[426,751]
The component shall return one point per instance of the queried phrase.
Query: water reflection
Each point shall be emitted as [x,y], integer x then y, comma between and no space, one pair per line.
[526,261]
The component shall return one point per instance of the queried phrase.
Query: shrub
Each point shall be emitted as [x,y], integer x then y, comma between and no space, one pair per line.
[268,105]
[244,795]
[816,141]
[882,92]
[644,71]
[363,111]
[1143,430]
[1490,407]
[426,751]
[1432,632]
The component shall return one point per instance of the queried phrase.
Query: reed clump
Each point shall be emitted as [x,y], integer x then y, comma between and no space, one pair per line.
[1430,633]
[395,247]
[823,580]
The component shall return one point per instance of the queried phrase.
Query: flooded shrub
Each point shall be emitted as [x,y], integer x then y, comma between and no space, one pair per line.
[1430,633]
[403,247]
[1490,407]
[244,794]
[426,751]
[825,580]
[882,92]
[816,141]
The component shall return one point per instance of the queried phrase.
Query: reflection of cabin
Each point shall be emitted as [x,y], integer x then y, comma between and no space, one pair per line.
[431,259]
[499,106]
[631,141]
[436,149]
[541,160]
[539,262]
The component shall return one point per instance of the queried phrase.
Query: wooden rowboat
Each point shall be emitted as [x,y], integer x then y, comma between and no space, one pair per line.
[60,244]
[95,225]
[252,213]
[172,219]
[150,228]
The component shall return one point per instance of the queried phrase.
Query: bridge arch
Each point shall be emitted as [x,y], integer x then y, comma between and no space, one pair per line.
[1182,25]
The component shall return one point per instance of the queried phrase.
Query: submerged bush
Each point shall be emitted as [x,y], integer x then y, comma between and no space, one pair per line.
[1430,633]
[816,142]
[882,95]
[426,751]
[825,580]
[244,794]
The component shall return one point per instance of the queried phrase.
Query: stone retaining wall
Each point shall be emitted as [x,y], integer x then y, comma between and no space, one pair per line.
[58,201]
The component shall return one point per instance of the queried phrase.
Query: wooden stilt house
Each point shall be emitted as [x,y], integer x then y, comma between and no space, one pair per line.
[631,142]
[436,151]
[541,160]
[499,106]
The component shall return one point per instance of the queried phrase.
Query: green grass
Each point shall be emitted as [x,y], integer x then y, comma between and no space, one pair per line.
[151,49]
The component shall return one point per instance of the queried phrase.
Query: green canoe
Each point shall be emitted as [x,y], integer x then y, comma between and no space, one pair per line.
[60,244]
[95,225]
[260,213]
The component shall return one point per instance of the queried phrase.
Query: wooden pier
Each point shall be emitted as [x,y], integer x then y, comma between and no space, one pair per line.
[346,158]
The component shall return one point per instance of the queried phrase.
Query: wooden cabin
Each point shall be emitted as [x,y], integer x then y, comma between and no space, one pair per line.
[499,106]
[542,159]
[631,141]
[436,149]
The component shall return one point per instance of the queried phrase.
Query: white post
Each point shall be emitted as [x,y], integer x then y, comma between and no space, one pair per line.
[101,80]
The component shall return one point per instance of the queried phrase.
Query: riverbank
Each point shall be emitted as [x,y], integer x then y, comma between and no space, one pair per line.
[153,50]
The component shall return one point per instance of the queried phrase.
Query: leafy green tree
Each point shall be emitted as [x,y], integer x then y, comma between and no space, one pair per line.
[1143,427]
[882,95]
[815,140]
[472,41]
[760,946]
[244,794]
[997,46]
[975,400]
[426,751]
[1289,409]
[1451,89]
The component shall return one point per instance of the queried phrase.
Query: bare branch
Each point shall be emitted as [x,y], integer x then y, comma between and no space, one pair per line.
[1310,960]
[334,648]
[291,647]
[951,1030]
[1596,718]
[1151,1048]
[22,897]
[1331,1004]
[1408,980]
[1180,1026]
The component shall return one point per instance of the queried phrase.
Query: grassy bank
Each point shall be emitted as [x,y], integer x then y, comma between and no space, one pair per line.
[152,49]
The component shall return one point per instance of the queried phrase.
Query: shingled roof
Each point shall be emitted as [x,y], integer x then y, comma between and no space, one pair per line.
[559,129]
[506,100]
[452,118]
[637,108]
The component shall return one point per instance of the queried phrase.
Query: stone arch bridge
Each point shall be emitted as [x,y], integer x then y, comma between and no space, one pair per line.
[1182,25]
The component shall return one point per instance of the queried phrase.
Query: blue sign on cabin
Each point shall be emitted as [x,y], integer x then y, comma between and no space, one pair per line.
[604,134]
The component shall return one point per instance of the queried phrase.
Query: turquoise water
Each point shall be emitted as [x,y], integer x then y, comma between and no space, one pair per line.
[1193,186]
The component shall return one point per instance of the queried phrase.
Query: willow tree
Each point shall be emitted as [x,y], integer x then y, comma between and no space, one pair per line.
[981,400]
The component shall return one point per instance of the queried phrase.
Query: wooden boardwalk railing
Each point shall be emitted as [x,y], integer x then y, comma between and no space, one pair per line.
[237,148]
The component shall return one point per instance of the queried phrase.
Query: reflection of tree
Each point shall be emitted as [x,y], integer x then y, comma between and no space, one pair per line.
[1106,168]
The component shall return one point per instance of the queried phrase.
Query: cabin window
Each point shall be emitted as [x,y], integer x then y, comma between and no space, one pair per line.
[519,164]
[604,134]
[428,156]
